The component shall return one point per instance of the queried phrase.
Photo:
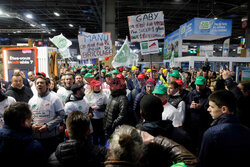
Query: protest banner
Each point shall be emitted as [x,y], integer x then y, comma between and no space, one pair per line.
[95,45]
[145,27]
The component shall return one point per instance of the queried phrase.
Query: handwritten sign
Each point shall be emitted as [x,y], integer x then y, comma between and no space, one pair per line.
[95,45]
[145,27]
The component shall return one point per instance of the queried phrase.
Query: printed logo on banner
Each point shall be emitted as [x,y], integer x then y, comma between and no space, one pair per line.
[206,24]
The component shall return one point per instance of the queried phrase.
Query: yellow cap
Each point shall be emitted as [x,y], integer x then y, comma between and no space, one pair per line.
[163,71]
[134,67]
[148,70]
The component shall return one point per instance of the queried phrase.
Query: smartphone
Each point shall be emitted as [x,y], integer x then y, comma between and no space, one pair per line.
[197,99]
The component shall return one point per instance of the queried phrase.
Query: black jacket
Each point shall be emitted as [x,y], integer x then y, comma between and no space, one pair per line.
[75,153]
[116,112]
[165,128]
[23,94]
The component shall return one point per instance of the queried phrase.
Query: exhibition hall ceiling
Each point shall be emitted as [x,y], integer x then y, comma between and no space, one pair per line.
[46,18]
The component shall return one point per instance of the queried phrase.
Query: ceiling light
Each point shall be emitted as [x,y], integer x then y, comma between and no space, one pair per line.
[18,31]
[57,14]
[215,18]
[71,25]
[43,25]
[53,30]
[29,16]
[32,25]
[1,12]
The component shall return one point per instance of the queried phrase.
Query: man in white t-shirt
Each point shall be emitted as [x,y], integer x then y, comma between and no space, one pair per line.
[76,102]
[48,113]
[5,101]
[169,112]
[64,92]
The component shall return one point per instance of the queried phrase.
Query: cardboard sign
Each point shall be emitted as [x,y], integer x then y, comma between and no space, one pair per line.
[146,27]
[95,45]
[24,59]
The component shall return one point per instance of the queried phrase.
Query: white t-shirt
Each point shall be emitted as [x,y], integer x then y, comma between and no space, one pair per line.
[3,105]
[94,99]
[106,89]
[171,113]
[44,108]
[78,105]
[63,94]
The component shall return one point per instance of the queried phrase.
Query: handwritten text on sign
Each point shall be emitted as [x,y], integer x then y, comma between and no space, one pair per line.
[95,45]
[145,27]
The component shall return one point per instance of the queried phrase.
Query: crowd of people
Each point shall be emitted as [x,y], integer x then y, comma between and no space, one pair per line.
[124,117]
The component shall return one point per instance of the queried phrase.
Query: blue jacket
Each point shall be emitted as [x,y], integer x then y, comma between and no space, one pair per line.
[17,147]
[226,143]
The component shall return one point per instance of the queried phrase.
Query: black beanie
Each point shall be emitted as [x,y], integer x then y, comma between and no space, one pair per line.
[151,108]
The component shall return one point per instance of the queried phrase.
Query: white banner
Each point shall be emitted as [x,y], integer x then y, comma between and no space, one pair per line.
[146,27]
[95,45]
[150,47]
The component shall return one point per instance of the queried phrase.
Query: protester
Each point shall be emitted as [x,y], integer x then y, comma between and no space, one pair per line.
[175,99]
[48,114]
[17,90]
[97,100]
[78,150]
[226,142]
[17,146]
[3,84]
[5,101]
[116,112]
[197,119]
[63,92]
[151,112]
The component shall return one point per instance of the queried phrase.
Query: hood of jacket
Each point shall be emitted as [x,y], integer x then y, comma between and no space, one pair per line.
[162,127]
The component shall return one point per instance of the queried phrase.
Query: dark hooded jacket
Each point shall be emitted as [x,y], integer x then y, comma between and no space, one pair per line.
[18,148]
[116,112]
[22,95]
[74,153]
[165,128]
[226,143]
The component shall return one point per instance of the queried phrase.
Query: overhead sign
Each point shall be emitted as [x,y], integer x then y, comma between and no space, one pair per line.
[95,45]
[150,47]
[146,27]
[24,59]
[206,29]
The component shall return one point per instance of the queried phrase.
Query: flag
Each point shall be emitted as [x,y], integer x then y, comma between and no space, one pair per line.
[122,58]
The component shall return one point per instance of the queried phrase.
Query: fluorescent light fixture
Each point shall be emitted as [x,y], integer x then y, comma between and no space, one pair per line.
[43,25]
[53,30]
[215,18]
[18,31]
[32,25]
[71,25]
[29,16]
[1,12]
[56,14]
